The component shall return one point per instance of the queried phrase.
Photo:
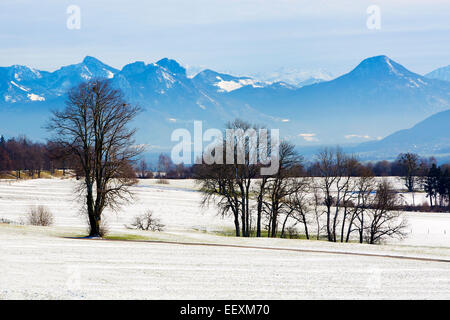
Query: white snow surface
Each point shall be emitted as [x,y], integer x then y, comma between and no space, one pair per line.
[19,86]
[40,263]
[228,86]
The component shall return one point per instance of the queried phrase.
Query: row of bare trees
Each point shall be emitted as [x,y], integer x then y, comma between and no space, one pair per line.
[22,155]
[94,131]
[346,202]
[355,202]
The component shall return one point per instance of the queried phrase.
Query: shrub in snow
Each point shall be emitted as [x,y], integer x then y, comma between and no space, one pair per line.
[147,222]
[40,216]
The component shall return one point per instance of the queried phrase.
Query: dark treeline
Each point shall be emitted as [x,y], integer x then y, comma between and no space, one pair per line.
[406,163]
[436,184]
[384,168]
[23,155]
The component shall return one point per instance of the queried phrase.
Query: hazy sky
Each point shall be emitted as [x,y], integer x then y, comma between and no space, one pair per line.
[238,36]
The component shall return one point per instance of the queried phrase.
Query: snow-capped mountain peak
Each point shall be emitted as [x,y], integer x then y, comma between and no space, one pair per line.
[172,66]
[377,91]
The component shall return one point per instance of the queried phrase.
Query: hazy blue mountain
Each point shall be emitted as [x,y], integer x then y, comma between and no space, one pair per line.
[376,98]
[24,84]
[295,77]
[310,81]
[441,74]
[21,83]
[429,137]
[61,80]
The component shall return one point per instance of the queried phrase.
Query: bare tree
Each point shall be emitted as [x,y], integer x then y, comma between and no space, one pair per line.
[147,221]
[383,219]
[230,184]
[261,190]
[218,186]
[244,172]
[299,203]
[94,126]
[280,187]
[164,164]
[317,202]
[410,167]
[365,188]
[336,170]
[409,164]
[143,169]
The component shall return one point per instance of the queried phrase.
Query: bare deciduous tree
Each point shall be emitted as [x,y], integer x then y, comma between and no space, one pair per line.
[365,188]
[280,187]
[142,169]
[410,165]
[383,218]
[94,126]
[299,203]
[218,186]
[336,170]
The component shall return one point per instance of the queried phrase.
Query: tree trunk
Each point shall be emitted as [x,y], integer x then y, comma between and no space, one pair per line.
[94,223]
[258,220]
[243,223]
[361,230]
[306,227]
[236,224]
[94,219]
[328,223]
[284,226]
[274,223]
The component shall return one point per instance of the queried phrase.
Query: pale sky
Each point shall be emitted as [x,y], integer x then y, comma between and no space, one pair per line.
[237,36]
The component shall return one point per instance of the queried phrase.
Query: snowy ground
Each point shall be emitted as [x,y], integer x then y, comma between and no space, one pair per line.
[40,263]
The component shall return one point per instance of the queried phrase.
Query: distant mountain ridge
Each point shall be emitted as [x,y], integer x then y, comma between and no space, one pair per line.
[378,97]
[430,137]
[440,74]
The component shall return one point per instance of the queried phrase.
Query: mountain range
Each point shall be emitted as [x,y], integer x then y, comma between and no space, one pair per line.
[430,137]
[375,99]
[440,73]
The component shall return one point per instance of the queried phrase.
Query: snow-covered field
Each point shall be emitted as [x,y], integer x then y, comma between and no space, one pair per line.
[39,262]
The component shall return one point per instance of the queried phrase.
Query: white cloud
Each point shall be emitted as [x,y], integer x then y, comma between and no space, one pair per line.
[359,136]
[308,136]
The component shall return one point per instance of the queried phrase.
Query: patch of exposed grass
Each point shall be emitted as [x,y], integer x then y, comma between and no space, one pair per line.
[125,237]
[26,175]
[118,236]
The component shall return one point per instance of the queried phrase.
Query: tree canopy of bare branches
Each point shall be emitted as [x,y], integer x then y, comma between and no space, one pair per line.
[94,126]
